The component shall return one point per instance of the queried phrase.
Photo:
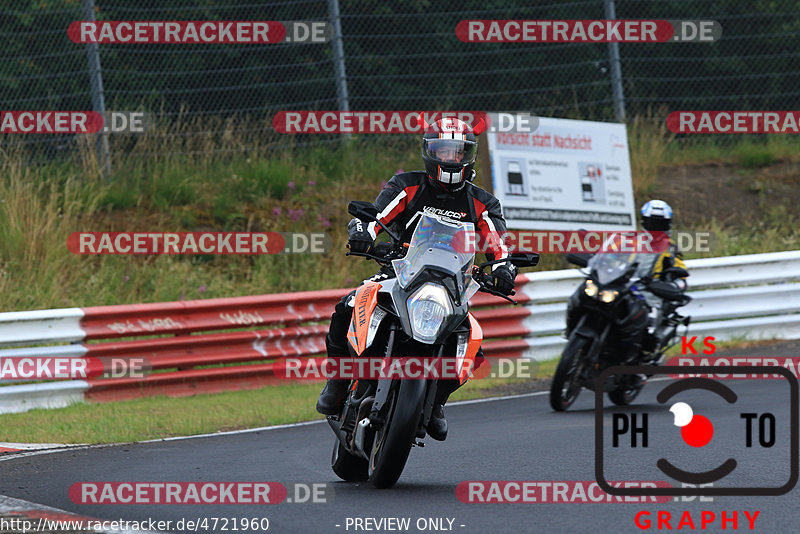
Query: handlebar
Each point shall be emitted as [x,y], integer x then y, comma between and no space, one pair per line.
[483,279]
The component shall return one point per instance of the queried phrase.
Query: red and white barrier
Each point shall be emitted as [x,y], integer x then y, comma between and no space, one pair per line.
[764,303]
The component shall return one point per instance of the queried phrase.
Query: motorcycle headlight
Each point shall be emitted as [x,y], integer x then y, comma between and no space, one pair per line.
[608,296]
[428,307]
[590,289]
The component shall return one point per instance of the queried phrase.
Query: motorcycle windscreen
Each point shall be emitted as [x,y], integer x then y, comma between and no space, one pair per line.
[448,246]
[607,267]
[647,262]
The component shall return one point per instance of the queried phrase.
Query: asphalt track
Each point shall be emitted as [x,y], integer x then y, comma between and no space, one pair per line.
[516,439]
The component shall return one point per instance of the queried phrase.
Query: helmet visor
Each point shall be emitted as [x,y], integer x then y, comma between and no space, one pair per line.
[656,224]
[449,151]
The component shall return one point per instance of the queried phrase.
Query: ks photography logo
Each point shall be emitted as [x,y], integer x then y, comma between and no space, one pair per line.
[702,431]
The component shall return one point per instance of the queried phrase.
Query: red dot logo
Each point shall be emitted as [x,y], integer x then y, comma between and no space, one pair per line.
[696,429]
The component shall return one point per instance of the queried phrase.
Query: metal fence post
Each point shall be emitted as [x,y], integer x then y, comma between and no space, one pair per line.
[338,55]
[616,69]
[96,80]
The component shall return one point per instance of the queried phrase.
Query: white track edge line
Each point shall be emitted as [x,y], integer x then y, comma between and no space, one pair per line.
[68,448]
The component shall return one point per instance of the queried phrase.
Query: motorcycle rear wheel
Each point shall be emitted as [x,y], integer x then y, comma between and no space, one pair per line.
[565,387]
[394,439]
[347,466]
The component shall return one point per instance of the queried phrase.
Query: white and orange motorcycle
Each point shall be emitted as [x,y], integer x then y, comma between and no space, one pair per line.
[422,312]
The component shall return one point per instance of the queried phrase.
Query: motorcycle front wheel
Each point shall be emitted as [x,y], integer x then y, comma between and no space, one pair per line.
[625,393]
[348,466]
[394,439]
[565,387]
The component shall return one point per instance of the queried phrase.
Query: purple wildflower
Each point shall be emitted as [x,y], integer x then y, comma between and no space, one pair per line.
[325,222]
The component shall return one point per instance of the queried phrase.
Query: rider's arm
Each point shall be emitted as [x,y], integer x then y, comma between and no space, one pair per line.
[391,202]
[678,260]
[669,258]
[492,228]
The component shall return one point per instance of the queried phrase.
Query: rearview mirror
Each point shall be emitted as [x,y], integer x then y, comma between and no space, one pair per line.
[674,273]
[679,272]
[665,290]
[528,259]
[581,260]
[362,210]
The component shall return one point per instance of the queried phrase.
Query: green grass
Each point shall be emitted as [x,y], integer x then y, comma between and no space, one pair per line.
[747,151]
[170,183]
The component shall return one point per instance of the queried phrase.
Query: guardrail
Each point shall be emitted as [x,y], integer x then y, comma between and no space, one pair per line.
[738,297]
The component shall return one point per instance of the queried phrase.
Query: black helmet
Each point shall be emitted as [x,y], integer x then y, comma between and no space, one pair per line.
[656,216]
[449,147]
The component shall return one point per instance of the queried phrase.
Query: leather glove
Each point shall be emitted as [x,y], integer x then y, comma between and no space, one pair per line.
[381,248]
[359,239]
[359,245]
[503,280]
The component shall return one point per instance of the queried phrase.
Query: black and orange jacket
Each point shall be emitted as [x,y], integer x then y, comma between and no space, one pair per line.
[406,196]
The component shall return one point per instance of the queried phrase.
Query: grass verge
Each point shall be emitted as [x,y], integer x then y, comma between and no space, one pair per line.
[163,417]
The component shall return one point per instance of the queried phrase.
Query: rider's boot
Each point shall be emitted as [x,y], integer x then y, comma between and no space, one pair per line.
[332,396]
[437,426]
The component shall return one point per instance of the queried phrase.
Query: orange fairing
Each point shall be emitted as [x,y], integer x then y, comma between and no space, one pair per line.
[474,343]
[365,300]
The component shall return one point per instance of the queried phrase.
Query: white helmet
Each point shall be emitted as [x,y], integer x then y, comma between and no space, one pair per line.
[656,216]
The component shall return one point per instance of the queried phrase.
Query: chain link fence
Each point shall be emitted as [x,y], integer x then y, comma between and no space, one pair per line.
[402,55]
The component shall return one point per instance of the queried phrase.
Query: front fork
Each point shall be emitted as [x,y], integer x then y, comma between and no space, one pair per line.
[598,341]
[385,386]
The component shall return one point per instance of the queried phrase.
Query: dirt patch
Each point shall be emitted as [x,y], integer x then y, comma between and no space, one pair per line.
[726,192]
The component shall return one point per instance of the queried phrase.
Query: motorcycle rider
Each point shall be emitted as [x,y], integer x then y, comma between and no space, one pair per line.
[656,217]
[444,188]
